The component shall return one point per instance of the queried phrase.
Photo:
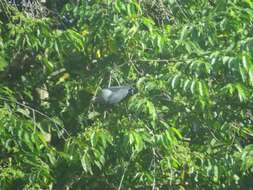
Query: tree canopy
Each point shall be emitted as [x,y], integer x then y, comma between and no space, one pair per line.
[188,126]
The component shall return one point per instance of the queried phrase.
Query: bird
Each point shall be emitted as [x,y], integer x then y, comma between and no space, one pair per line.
[114,94]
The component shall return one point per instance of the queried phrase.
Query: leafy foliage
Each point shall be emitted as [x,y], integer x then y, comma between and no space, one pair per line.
[189,126]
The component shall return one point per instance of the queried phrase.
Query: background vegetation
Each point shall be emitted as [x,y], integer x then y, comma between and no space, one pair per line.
[189,126]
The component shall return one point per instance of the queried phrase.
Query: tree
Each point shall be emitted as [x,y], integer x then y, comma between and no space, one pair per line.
[189,126]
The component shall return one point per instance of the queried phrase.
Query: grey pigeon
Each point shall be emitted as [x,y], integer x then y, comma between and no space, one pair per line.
[114,94]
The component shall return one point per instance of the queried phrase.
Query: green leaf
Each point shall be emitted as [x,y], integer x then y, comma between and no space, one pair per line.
[24,112]
[129,11]
[3,63]
[148,22]
[138,142]
[186,85]
[57,49]
[200,89]
[93,139]
[165,124]
[169,137]
[249,2]
[251,75]
[86,163]
[193,84]
[216,174]
[243,73]
[131,137]
[151,110]
[177,132]
[230,88]
[245,61]
[175,81]
[184,33]
[242,93]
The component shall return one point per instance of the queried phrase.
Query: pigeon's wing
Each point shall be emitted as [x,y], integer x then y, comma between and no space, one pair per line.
[102,96]
[106,93]
[117,95]
[116,88]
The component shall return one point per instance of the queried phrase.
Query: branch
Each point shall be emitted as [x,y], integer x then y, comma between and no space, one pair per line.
[60,131]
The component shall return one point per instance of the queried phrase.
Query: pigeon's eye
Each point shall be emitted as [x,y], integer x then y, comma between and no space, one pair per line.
[131,91]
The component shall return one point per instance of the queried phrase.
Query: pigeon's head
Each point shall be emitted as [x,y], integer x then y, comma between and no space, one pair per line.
[131,91]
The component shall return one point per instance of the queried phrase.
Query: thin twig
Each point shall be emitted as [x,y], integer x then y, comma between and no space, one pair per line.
[154,171]
[135,68]
[122,178]
[34,120]
[175,60]
[161,60]
[179,6]
[114,76]
[110,79]
[40,113]
[124,172]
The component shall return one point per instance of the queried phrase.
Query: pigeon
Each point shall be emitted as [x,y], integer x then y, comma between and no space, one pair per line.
[114,94]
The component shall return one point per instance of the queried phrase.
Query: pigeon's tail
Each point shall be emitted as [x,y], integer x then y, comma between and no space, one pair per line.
[95,99]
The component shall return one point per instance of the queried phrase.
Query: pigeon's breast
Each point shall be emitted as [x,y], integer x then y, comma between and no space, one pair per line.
[117,96]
